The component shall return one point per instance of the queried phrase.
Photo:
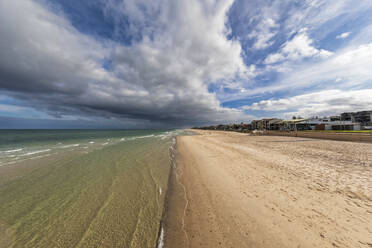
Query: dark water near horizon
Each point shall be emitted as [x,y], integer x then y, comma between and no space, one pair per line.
[83,188]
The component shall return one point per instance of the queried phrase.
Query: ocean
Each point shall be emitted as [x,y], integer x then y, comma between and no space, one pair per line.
[83,188]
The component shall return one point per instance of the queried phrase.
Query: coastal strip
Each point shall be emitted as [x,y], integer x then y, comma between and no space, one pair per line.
[269,191]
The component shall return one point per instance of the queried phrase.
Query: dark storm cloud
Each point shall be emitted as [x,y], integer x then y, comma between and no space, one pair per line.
[162,78]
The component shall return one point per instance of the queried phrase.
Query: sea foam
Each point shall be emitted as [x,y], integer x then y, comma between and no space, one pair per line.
[14,150]
[35,152]
[68,146]
[161,238]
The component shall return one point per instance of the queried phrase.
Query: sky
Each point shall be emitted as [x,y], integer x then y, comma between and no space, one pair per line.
[181,63]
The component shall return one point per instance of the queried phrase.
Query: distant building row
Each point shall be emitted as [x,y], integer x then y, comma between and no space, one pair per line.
[346,121]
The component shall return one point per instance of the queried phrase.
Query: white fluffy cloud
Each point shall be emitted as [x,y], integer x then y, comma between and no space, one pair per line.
[323,103]
[300,46]
[162,77]
[343,35]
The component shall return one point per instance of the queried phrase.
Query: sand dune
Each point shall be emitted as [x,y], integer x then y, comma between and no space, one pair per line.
[235,190]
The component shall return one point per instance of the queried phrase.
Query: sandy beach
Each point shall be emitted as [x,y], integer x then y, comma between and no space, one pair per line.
[234,190]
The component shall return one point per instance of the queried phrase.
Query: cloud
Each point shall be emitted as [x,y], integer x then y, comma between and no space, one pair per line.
[343,35]
[347,69]
[300,46]
[256,21]
[304,55]
[7,122]
[324,16]
[12,108]
[170,63]
[322,103]
[269,22]
[264,33]
[161,77]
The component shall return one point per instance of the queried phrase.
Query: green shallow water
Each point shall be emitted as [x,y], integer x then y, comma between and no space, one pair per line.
[91,195]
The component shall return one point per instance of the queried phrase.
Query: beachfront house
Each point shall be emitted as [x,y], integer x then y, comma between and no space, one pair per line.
[327,124]
[364,118]
[255,124]
[293,125]
[274,124]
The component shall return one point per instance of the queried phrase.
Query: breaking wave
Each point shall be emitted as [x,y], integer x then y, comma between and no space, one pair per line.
[11,151]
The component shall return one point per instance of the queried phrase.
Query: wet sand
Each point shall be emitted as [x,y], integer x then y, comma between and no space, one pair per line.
[235,190]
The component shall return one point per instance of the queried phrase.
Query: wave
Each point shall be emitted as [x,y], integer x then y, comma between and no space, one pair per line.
[35,152]
[169,134]
[10,156]
[138,137]
[10,151]
[68,146]
[146,136]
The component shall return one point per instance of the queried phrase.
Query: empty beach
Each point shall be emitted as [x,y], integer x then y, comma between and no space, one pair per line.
[235,190]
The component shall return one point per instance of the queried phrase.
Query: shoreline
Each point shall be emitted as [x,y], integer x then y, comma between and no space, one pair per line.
[256,191]
[162,229]
[174,204]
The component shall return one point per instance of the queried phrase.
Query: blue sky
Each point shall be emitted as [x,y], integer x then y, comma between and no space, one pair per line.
[141,64]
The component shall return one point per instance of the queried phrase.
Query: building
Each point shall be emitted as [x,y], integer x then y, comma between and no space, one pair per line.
[346,116]
[274,124]
[317,124]
[362,117]
[293,125]
[329,124]
[265,123]
[346,121]
[255,124]
[335,118]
